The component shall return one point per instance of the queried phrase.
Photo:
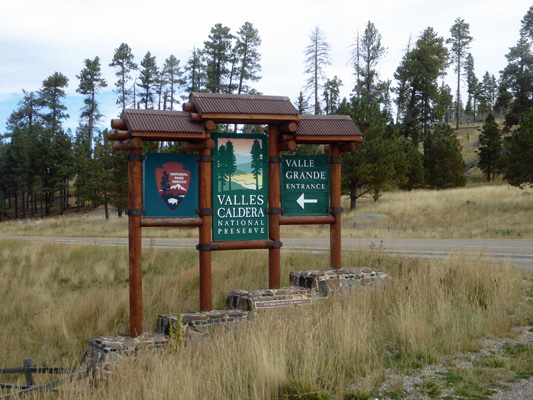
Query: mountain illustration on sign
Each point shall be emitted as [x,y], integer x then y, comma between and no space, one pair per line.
[172,183]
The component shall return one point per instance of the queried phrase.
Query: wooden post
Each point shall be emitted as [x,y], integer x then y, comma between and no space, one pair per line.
[205,203]
[135,240]
[335,204]
[274,204]
[27,364]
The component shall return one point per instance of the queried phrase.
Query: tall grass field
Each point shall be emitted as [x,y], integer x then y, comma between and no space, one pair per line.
[54,298]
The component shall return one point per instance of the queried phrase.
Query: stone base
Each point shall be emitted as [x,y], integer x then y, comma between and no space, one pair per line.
[104,351]
[197,324]
[254,300]
[306,288]
[330,281]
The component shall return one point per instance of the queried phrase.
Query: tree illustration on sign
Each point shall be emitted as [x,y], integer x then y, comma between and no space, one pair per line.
[227,164]
[165,182]
[257,163]
[222,170]
[231,161]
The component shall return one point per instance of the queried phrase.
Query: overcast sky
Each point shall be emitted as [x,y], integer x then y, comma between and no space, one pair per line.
[38,38]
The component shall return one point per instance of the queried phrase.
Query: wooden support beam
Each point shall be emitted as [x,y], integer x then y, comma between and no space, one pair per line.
[289,127]
[344,148]
[196,117]
[170,136]
[284,146]
[189,107]
[118,124]
[348,148]
[119,135]
[324,139]
[247,118]
[287,137]
[335,203]
[242,245]
[307,220]
[204,234]
[274,201]
[170,222]
[189,147]
[209,125]
[128,144]
[135,244]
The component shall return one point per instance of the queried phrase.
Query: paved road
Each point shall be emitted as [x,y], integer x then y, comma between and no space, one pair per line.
[518,252]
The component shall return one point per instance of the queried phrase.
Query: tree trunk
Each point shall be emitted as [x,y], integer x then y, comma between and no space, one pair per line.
[106,211]
[61,200]
[23,204]
[353,197]
[16,205]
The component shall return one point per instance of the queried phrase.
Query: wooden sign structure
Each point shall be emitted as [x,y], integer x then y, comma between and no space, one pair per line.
[194,126]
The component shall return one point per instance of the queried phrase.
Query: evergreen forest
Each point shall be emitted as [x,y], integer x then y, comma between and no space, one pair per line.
[409,123]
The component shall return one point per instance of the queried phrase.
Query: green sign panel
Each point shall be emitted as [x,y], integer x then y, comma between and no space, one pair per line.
[170,185]
[240,189]
[305,185]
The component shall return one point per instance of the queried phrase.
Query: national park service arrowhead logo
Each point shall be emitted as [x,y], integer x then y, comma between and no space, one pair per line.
[172,184]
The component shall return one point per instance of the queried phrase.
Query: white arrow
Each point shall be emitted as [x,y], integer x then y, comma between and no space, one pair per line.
[302,201]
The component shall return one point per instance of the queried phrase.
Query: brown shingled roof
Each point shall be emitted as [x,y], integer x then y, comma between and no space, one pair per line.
[161,121]
[260,108]
[337,127]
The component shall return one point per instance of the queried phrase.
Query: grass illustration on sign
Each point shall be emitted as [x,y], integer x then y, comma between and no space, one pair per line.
[239,189]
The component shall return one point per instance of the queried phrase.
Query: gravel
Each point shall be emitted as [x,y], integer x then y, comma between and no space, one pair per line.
[520,390]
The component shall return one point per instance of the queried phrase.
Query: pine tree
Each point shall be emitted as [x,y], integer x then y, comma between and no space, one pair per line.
[443,109]
[517,157]
[81,166]
[101,176]
[473,86]
[526,29]
[119,191]
[408,165]
[195,76]
[402,90]
[490,147]
[369,52]
[443,163]
[52,139]
[460,41]
[217,54]
[517,82]
[246,49]
[371,168]
[487,93]
[124,64]
[316,59]
[91,81]
[331,95]
[302,104]
[148,75]
[50,97]
[419,71]
[172,75]
[15,168]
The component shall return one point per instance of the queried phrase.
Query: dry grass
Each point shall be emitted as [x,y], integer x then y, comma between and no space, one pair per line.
[494,211]
[488,211]
[57,297]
